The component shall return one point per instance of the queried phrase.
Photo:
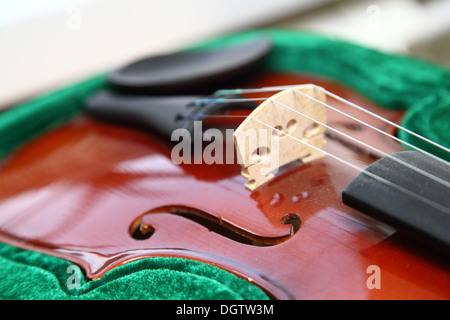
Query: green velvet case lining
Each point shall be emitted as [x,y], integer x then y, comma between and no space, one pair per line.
[395,82]
[33,275]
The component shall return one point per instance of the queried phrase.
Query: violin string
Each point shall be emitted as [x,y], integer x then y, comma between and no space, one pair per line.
[270,89]
[361,170]
[435,178]
[240,91]
[401,162]
[204,101]
[349,103]
[385,120]
[378,130]
[381,179]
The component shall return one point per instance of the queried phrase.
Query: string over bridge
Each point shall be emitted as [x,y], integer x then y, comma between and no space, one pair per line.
[261,141]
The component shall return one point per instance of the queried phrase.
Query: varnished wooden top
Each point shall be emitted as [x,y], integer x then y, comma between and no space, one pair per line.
[81,191]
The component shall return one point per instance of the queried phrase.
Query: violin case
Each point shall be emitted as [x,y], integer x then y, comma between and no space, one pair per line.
[391,81]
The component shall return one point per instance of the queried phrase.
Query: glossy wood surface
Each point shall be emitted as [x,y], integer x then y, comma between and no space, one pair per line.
[91,193]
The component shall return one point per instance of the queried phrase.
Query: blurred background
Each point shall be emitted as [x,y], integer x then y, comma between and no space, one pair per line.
[47,44]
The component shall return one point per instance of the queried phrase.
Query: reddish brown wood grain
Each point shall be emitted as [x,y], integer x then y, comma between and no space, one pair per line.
[78,193]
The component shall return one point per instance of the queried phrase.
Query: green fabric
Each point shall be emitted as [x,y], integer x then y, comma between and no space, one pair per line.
[23,122]
[395,82]
[392,81]
[430,118]
[33,275]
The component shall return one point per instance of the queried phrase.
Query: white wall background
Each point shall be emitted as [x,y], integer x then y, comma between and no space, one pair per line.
[47,44]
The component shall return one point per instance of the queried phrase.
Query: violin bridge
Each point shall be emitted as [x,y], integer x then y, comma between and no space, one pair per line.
[280,130]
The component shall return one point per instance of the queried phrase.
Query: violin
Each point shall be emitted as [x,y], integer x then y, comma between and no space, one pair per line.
[101,195]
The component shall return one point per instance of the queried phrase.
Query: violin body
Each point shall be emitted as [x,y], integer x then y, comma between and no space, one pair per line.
[102,195]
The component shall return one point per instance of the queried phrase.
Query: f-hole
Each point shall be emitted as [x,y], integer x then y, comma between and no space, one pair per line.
[141,231]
